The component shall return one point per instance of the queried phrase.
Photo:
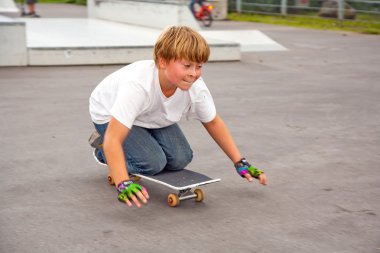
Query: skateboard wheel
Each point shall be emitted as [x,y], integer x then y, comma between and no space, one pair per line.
[199,195]
[110,180]
[173,200]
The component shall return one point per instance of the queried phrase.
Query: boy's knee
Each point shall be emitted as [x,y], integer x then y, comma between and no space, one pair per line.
[155,164]
[180,160]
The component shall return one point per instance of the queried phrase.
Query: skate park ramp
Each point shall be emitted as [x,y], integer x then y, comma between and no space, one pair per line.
[78,41]
[95,41]
[249,40]
[99,40]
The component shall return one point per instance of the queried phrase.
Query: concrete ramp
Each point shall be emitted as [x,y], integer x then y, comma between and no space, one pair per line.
[50,41]
[249,40]
[94,41]
[115,32]
[8,6]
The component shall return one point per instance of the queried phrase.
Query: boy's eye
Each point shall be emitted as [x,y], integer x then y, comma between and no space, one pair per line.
[189,65]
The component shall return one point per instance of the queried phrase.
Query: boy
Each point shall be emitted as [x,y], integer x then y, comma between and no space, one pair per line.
[136,110]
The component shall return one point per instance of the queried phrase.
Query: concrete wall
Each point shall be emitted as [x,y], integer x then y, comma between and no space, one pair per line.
[13,50]
[155,14]
[87,56]
[8,6]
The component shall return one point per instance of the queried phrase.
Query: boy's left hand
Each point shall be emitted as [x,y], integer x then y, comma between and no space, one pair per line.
[262,178]
[244,169]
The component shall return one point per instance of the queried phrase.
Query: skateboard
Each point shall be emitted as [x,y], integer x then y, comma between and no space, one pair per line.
[182,182]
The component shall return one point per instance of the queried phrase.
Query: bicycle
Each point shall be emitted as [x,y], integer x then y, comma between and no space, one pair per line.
[204,13]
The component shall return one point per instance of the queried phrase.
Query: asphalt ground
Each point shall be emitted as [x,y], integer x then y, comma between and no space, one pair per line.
[308,116]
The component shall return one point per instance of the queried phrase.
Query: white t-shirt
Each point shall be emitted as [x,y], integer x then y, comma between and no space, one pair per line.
[133,96]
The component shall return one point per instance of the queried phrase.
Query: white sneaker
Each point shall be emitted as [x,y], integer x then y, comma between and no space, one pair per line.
[97,159]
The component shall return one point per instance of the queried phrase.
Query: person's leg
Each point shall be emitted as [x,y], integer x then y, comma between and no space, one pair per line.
[101,128]
[191,6]
[149,151]
[142,152]
[175,146]
[31,6]
[31,9]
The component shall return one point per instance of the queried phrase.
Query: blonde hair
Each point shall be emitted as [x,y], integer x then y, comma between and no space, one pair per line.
[181,42]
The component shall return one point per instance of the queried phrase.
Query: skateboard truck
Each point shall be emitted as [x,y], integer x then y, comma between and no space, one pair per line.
[175,199]
[186,194]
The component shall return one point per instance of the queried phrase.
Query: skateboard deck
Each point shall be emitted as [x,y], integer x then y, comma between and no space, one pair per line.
[182,181]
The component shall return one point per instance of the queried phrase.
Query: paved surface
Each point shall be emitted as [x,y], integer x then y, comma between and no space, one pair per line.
[308,116]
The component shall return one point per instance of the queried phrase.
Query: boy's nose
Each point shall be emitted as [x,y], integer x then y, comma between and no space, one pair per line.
[193,71]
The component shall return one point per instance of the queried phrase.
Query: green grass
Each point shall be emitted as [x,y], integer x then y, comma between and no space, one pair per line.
[358,26]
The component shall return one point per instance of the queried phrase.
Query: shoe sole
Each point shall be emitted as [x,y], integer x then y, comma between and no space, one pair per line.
[97,160]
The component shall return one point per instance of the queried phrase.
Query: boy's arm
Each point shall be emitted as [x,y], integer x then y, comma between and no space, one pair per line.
[113,148]
[220,133]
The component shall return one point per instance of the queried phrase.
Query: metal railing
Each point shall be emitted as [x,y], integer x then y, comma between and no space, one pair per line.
[342,9]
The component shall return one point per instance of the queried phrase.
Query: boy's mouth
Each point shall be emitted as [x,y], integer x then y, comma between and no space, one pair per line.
[186,84]
[189,82]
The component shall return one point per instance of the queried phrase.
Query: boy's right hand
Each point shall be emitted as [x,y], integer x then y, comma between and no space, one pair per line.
[132,191]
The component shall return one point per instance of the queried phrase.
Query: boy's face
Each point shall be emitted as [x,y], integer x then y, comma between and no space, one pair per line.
[180,73]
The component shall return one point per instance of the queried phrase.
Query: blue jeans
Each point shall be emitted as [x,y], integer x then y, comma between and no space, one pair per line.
[150,151]
[192,4]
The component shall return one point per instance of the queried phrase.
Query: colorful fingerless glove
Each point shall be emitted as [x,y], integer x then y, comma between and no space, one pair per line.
[243,167]
[126,189]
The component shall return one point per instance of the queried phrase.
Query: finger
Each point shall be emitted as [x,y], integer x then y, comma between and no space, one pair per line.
[248,177]
[128,203]
[136,201]
[124,199]
[263,179]
[142,197]
[145,192]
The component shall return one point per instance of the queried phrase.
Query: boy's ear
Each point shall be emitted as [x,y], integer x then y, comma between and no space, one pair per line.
[161,63]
